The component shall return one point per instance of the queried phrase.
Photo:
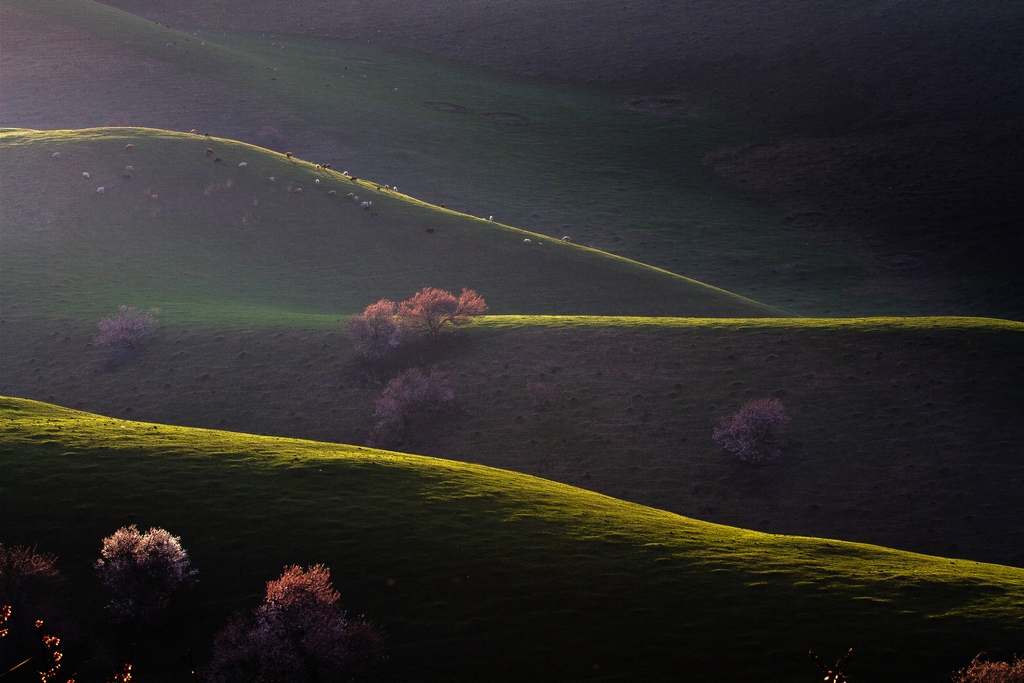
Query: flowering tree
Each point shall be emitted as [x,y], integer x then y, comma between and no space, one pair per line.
[753,433]
[984,671]
[128,328]
[299,633]
[375,332]
[29,583]
[431,310]
[142,571]
[409,392]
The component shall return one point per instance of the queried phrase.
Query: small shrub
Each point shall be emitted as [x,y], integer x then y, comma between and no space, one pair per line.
[142,571]
[299,633]
[128,328]
[984,671]
[431,310]
[409,392]
[753,433]
[375,332]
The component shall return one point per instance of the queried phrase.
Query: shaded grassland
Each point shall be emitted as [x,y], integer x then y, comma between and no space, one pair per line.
[635,167]
[904,432]
[200,238]
[482,574]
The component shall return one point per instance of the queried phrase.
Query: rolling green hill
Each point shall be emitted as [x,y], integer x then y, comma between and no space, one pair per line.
[904,432]
[481,574]
[806,174]
[200,238]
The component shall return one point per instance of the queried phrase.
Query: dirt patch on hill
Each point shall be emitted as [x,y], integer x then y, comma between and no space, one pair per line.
[506,118]
[448,107]
[667,106]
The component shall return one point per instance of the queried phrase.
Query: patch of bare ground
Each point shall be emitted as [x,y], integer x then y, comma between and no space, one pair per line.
[448,107]
[904,439]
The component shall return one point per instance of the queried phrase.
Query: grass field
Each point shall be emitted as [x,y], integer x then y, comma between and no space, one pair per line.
[480,574]
[563,158]
[904,432]
[201,239]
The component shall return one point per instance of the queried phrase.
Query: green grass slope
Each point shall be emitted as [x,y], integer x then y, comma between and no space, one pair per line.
[904,433]
[481,574]
[199,238]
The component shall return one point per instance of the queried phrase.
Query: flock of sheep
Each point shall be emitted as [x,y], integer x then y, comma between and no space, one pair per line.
[366,205]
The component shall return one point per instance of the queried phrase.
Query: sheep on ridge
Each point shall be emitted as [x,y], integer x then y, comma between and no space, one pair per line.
[527,241]
[566,239]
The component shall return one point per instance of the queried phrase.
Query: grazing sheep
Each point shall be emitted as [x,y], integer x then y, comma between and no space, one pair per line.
[192,132]
[209,151]
[327,166]
[318,167]
[566,239]
[355,198]
[243,165]
[129,147]
[129,169]
[350,196]
[56,155]
[154,197]
[527,241]
[490,218]
[298,190]
[395,188]
[387,187]
[317,181]
[344,173]
[355,178]
[217,160]
[288,154]
[444,206]
[366,205]
[271,178]
[332,193]
[100,190]
[85,174]
[206,134]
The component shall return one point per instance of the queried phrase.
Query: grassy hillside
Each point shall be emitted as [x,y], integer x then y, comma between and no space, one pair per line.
[631,169]
[481,574]
[904,432]
[200,238]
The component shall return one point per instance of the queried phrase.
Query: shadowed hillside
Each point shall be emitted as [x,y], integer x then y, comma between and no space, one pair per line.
[482,574]
[203,227]
[829,160]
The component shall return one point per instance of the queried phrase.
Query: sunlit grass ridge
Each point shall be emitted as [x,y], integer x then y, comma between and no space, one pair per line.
[495,574]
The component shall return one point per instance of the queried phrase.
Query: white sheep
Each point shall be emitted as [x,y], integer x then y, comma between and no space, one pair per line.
[129,169]
[527,241]
[100,190]
[271,179]
[332,193]
[566,239]
[242,165]
[490,218]
[344,173]
[395,188]
[317,181]
[85,174]
[366,205]
[56,155]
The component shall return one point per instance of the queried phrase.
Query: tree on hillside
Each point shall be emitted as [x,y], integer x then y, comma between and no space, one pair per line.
[984,671]
[128,328]
[753,433]
[298,633]
[431,310]
[375,332]
[29,583]
[411,392]
[142,571]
